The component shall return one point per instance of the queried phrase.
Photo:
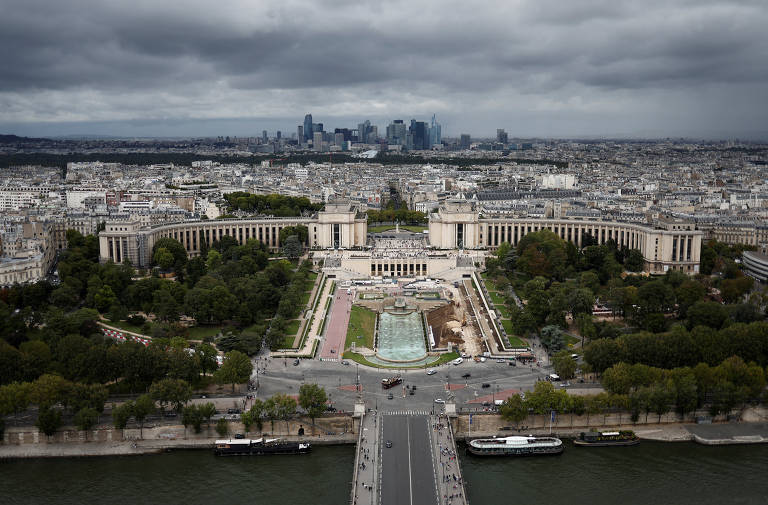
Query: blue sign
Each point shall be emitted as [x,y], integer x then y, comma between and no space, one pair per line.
[470,419]
[552,418]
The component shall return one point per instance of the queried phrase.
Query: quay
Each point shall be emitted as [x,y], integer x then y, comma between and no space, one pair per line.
[406,458]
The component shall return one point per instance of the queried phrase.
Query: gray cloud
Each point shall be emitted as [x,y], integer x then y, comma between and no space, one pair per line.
[567,67]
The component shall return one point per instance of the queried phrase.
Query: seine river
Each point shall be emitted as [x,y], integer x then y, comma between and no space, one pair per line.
[649,474]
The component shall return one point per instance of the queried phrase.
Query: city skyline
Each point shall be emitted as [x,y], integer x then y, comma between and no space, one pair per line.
[536,69]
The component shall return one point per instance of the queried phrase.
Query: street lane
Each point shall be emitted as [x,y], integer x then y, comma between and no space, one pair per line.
[407,472]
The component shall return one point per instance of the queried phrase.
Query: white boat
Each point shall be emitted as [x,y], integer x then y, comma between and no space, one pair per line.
[515,446]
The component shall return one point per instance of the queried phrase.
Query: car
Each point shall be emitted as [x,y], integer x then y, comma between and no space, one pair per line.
[330,408]
[482,359]
[565,384]
[239,436]
[464,355]
[389,396]
[486,404]
[345,362]
[458,361]
[431,371]
[411,392]
[485,385]
[500,360]
[296,362]
[233,411]
[512,363]
[439,400]
[466,376]
[388,443]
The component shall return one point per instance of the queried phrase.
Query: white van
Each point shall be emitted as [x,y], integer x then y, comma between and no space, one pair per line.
[458,361]
[553,377]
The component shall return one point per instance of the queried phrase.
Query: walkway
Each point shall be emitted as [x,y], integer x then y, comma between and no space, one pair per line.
[336,332]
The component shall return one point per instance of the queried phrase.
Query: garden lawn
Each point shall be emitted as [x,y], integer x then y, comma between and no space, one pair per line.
[515,341]
[291,329]
[125,326]
[361,322]
[198,332]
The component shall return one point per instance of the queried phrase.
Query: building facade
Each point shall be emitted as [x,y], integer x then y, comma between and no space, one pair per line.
[458,225]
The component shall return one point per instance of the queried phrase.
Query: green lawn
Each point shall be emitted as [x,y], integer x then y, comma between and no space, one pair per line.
[515,341]
[361,322]
[489,284]
[570,340]
[504,310]
[304,300]
[125,326]
[507,324]
[197,332]
[292,328]
[387,227]
[497,298]
[287,342]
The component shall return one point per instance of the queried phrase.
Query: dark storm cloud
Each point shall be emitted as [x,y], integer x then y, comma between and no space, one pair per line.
[104,59]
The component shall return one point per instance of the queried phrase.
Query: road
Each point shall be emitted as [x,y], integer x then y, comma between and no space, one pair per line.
[407,470]
[280,376]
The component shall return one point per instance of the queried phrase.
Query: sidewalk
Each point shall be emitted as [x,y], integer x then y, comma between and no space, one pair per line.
[450,483]
[313,330]
[368,462]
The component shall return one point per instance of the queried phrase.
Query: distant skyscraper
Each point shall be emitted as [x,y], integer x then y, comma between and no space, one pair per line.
[465,141]
[435,133]
[317,141]
[308,127]
[264,137]
[363,129]
[396,132]
[300,135]
[420,134]
[279,134]
[338,139]
[501,136]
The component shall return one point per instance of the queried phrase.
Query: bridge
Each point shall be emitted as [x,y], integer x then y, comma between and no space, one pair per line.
[407,458]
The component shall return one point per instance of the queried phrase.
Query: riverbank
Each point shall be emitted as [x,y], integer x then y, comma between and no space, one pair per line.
[32,445]
[136,447]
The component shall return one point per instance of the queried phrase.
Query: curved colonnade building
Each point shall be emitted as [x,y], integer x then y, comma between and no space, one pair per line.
[458,235]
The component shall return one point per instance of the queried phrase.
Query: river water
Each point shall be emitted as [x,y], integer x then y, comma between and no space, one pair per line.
[649,474]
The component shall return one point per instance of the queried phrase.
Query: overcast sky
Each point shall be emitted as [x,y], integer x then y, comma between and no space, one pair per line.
[551,68]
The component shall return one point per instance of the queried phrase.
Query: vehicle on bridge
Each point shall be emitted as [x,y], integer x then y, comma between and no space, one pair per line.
[515,446]
[390,382]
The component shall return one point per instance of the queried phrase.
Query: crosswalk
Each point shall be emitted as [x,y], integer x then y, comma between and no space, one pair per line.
[406,413]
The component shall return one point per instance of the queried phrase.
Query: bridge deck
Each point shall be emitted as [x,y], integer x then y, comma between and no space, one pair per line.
[418,468]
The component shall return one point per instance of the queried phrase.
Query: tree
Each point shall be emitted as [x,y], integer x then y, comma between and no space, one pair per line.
[164,258]
[285,407]
[292,247]
[121,414]
[552,338]
[48,420]
[85,419]
[208,410]
[236,369]
[312,399]
[173,392]
[192,416]
[710,314]
[174,247]
[222,427]
[206,358]
[514,409]
[257,411]
[660,399]
[634,261]
[564,365]
[143,407]
[247,419]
